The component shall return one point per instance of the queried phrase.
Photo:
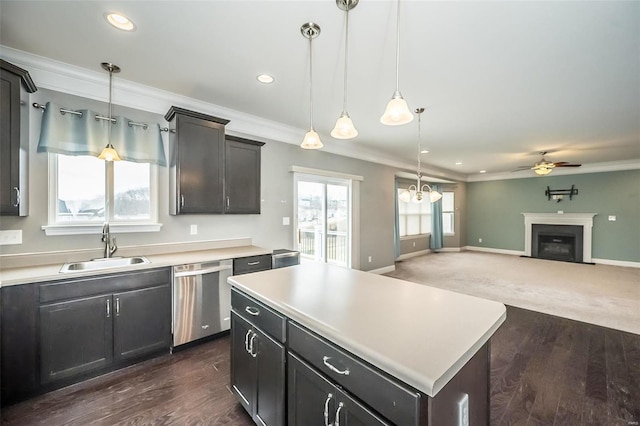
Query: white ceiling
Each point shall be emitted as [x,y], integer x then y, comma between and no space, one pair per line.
[500,80]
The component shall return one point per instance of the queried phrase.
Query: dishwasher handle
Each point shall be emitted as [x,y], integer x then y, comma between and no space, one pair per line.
[202,271]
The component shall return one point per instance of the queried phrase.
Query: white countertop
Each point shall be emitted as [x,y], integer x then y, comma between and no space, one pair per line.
[420,334]
[40,273]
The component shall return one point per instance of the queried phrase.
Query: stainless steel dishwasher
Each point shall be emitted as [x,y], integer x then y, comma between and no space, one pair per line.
[201,300]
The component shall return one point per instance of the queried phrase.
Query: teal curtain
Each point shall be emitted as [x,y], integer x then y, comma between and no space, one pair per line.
[396,234]
[71,134]
[437,237]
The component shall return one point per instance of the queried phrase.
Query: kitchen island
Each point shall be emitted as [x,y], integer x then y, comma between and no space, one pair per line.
[395,352]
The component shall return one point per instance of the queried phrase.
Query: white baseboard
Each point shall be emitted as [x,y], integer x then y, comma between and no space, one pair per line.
[384,270]
[624,263]
[413,254]
[451,249]
[494,250]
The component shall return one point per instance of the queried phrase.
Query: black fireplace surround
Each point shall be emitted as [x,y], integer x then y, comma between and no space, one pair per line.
[557,242]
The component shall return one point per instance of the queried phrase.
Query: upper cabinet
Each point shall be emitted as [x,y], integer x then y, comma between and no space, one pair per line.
[16,85]
[208,172]
[242,175]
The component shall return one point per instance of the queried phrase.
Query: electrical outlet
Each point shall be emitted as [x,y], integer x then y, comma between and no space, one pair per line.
[479,240]
[286,221]
[414,244]
[612,218]
[463,411]
[10,237]
[369,259]
[194,229]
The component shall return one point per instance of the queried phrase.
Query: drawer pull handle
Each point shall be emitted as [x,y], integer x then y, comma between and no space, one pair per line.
[252,311]
[326,410]
[326,359]
[257,262]
[338,414]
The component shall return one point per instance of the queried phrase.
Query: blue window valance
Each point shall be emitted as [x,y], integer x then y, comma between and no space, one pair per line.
[84,134]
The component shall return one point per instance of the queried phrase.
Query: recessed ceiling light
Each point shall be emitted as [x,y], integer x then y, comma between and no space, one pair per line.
[265,78]
[458,163]
[120,21]
[483,171]
[424,151]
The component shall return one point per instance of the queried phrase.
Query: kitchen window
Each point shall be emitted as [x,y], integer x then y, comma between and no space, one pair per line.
[85,192]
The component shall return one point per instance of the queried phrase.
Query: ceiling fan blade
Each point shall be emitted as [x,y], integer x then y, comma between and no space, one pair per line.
[560,163]
[568,165]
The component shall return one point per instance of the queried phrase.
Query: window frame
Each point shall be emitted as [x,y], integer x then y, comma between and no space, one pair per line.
[82,228]
[401,215]
[452,212]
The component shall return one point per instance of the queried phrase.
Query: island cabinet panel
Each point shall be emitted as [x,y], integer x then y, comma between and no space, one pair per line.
[314,400]
[258,372]
[394,400]
[18,342]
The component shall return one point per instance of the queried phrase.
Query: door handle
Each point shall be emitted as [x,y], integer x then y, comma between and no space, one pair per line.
[108,308]
[181,201]
[337,423]
[246,341]
[17,203]
[253,354]
[117,306]
[326,410]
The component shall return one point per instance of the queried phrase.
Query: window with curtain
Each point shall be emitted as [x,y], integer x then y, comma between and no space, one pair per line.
[448,213]
[413,218]
[86,190]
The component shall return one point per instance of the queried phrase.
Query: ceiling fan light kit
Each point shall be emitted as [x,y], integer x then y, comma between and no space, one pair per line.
[544,167]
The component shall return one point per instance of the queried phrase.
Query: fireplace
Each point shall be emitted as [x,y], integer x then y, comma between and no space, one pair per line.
[583,223]
[557,242]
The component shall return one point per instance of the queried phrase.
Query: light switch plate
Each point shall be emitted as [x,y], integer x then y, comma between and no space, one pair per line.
[10,237]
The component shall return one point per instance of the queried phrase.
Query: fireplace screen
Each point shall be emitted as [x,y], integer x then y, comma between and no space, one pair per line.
[557,242]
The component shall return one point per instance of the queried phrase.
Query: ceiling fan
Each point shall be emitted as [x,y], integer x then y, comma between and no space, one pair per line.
[544,167]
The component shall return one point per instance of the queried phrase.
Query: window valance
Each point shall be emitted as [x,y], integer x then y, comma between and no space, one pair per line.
[80,132]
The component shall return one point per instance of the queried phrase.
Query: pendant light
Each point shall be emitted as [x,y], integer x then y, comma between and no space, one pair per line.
[416,192]
[397,111]
[109,153]
[311,140]
[344,128]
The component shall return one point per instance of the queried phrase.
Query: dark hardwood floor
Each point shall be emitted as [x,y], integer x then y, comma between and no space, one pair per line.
[545,370]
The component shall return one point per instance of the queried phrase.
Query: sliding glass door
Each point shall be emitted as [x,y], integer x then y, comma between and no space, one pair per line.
[323,221]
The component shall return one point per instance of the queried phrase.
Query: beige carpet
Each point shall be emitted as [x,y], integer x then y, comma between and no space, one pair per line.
[598,294]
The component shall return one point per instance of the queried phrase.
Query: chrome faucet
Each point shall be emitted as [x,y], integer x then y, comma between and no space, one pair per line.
[110,246]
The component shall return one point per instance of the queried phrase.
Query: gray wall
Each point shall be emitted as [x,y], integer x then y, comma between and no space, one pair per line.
[494,210]
[266,229]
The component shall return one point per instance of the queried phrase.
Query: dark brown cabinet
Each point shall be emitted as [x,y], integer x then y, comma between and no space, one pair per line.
[248,264]
[196,166]
[61,332]
[313,400]
[242,176]
[258,361]
[15,87]
[210,173]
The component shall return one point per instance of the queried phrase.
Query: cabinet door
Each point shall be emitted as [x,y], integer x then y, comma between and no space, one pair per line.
[199,165]
[75,337]
[142,321]
[352,413]
[9,143]
[270,395]
[311,397]
[18,341]
[243,364]
[242,176]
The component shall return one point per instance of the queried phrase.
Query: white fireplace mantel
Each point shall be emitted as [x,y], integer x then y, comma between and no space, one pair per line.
[581,219]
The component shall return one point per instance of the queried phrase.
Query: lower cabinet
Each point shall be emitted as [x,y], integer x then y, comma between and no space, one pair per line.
[313,400]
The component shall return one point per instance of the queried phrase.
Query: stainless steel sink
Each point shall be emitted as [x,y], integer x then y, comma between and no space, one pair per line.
[104,263]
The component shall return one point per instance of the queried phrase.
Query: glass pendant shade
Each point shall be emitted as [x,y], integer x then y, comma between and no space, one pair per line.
[344,128]
[405,196]
[397,112]
[542,171]
[109,154]
[434,196]
[311,140]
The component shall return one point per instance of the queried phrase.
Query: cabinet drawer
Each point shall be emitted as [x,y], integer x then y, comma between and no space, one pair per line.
[390,398]
[258,314]
[102,284]
[244,265]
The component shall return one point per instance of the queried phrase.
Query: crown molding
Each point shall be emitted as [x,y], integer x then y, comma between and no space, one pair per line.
[62,77]
[611,166]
